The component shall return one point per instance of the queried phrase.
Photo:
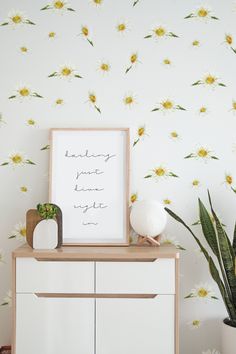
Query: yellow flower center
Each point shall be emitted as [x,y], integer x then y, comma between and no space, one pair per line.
[202,152]
[160,31]
[133,58]
[196,323]
[66,71]
[141,131]
[209,80]
[174,134]
[203,110]
[234,105]
[160,171]
[229,179]
[92,98]
[202,292]
[121,27]
[17,159]
[31,122]
[52,34]
[16,19]
[133,198]
[59,101]
[167,61]
[85,31]
[167,104]
[167,201]
[23,231]
[59,4]
[104,67]
[24,92]
[24,49]
[97,2]
[24,189]
[195,182]
[229,39]
[202,12]
[195,43]
[129,100]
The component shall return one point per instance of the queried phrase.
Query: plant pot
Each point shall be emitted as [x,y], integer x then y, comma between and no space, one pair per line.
[45,234]
[32,220]
[228,338]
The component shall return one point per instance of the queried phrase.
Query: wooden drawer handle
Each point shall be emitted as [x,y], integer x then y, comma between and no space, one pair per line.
[96,296]
[96,260]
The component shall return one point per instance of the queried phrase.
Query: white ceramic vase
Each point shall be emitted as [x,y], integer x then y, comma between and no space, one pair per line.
[228,339]
[45,235]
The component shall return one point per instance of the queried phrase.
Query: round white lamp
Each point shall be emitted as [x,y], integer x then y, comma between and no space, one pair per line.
[148,218]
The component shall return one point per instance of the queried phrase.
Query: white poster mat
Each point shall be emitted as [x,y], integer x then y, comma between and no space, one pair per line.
[89,182]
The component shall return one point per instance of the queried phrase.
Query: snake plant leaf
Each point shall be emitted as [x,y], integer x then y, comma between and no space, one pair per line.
[215,275]
[234,241]
[208,229]
[177,218]
[227,254]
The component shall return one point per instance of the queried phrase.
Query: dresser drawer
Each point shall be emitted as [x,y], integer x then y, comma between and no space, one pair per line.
[33,276]
[157,277]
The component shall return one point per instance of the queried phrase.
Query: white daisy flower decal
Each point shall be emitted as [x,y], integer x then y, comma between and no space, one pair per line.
[209,80]
[167,201]
[24,49]
[85,33]
[52,35]
[19,232]
[211,351]
[104,67]
[166,62]
[129,100]
[233,107]
[168,240]
[24,92]
[31,122]
[17,159]
[159,32]
[228,180]
[195,183]
[16,18]
[66,72]
[59,102]
[202,13]
[2,257]
[97,2]
[24,189]
[92,99]
[195,324]
[58,6]
[141,132]
[168,105]
[133,197]
[7,300]
[133,61]
[174,135]
[196,43]
[160,172]
[202,292]
[202,153]
[203,110]
[122,27]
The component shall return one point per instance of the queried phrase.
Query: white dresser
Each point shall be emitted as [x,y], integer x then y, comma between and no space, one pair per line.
[95,300]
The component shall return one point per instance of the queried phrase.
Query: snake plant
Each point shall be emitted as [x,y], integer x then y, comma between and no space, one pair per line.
[222,264]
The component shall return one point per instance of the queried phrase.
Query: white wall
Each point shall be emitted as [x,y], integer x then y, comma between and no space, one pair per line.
[151,82]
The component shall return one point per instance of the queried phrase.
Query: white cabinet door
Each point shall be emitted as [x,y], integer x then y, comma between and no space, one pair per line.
[54,325]
[135,326]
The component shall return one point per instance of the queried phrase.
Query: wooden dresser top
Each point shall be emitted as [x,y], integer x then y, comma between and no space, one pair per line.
[99,253]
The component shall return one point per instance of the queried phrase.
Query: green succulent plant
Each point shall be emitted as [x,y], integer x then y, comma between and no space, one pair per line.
[222,265]
[47,210]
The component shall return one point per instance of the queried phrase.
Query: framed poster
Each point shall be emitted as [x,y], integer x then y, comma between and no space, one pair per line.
[89,181]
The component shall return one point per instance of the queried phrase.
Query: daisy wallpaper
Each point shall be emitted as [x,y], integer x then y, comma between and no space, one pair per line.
[165,69]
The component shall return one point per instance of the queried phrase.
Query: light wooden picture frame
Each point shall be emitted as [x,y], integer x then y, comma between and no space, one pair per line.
[89,181]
